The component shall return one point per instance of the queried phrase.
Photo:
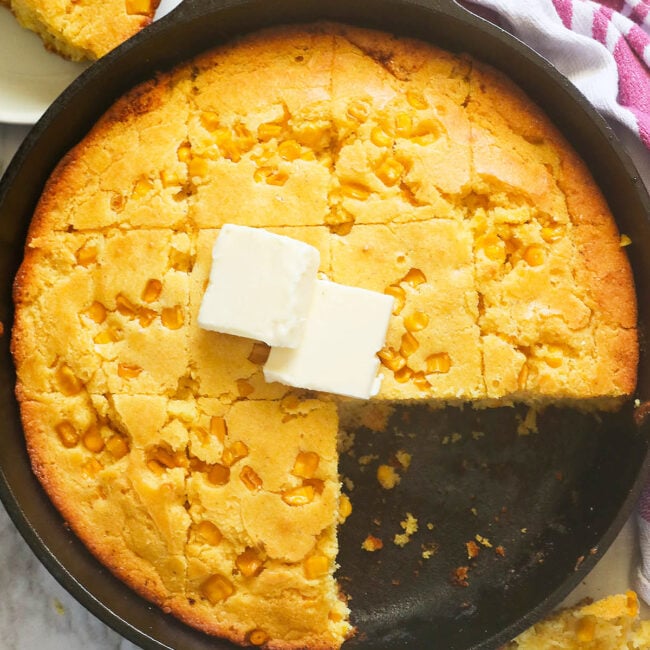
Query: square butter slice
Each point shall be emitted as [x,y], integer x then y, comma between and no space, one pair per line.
[261,286]
[345,329]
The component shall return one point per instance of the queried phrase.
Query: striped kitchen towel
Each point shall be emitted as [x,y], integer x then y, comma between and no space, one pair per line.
[602,46]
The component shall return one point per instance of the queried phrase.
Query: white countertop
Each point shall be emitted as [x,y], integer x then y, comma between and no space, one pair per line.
[36,613]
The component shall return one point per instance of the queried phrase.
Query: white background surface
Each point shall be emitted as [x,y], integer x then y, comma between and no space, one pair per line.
[37,614]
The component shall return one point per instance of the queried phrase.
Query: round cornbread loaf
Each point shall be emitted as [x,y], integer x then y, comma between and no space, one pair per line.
[83,30]
[414,172]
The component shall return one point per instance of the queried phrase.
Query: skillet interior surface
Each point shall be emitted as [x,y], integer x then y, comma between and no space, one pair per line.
[545,506]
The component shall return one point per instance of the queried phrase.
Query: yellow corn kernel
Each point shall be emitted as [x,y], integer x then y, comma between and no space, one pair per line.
[249,563]
[416,99]
[67,434]
[416,321]
[250,479]
[625,240]
[438,363]
[289,150]
[414,278]
[118,446]
[522,378]
[244,388]
[234,453]
[355,191]
[218,427]
[493,247]
[359,110]
[299,496]
[551,234]
[403,375]
[403,125]
[306,464]
[271,176]
[166,458]
[87,254]
[92,467]
[257,637]
[128,370]
[259,353]
[409,345]
[96,312]
[380,138]
[111,335]
[197,166]
[92,439]
[266,132]
[345,507]
[210,120]
[218,474]
[125,306]
[157,468]
[586,629]
[142,187]
[208,533]
[316,566]
[184,152]
[146,317]
[169,179]
[420,381]
[117,202]
[390,171]
[217,588]
[534,255]
[172,317]
[391,359]
[68,382]
[139,7]
[553,362]
[313,135]
[399,297]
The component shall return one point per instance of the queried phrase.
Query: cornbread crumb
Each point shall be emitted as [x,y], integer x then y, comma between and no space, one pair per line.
[372,544]
[410,527]
[387,476]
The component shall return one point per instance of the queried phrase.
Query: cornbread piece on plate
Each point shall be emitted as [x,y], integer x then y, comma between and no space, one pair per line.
[414,172]
[83,30]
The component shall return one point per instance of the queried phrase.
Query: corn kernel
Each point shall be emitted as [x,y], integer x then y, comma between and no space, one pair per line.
[197,166]
[266,132]
[355,191]
[168,458]
[125,306]
[390,171]
[244,388]
[128,370]
[380,138]
[152,290]
[87,254]
[416,99]
[208,533]
[250,479]
[249,563]
[234,453]
[111,335]
[118,446]
[270,176]
[316,566]
[210,120]
[92,467]
[391,359]
[414,278]
[218,427]
[67,434]
[522,378]
[306,464]
[409,345]
[146,317]
[625,240]
[218,474]
[345,507]
[184,152]
[586,629]
[169,179]
[142,187]
[420,381]
[493,247]
[172,317]
[313,135]
[438,363]
[259,353]
[359,110]
[257,637]
[534,255]
[96,312]
[551,234]
[92,439]
[68,382]
[157,468]
[403,125]
[553,362]
[399,297]
[416,321]
[403,375]
[217,588]
[299,496]
[139,7]
[289,150]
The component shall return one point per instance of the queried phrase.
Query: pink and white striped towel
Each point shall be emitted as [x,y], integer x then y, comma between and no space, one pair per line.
[603,47]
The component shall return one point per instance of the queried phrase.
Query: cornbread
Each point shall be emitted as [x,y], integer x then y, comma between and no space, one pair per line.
[611,623]
[414,172]
[83,30]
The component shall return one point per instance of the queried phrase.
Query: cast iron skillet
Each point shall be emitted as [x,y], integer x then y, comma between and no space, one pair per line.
[553,501]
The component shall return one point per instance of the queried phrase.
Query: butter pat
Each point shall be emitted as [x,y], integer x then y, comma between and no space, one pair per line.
[261,286]
[345,329]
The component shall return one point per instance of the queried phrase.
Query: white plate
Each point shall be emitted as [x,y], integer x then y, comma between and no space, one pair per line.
[31,78]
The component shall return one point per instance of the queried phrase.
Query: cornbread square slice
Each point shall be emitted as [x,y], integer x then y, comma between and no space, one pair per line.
[84,30]
[228,366]
[99,309]
[433,342]
[128,171]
